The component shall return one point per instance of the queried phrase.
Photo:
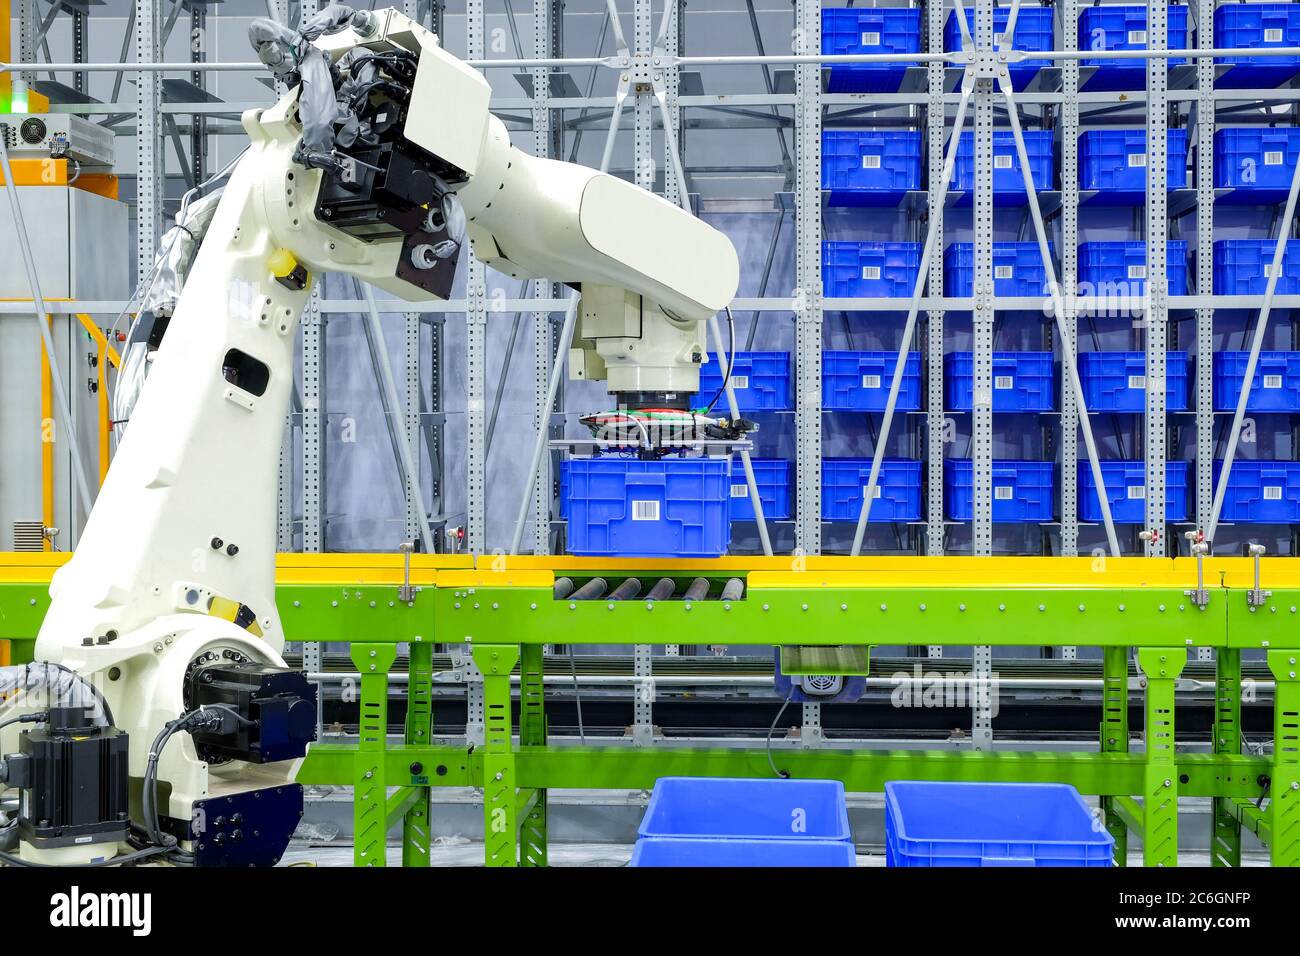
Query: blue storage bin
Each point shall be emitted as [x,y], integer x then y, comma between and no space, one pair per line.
[1008,181]
[659,851]
[1034,34]
[1261,492]
[1124,27]
[898,489]
[1116,381]
[859,381]
[740,808]
[1126,490]
[671,508]
[853,270]
[1109,269]
[772,475]
[1257,163]
[852,30]
[1241,26]
[761,381]
[1017,269]
[1022,381]
[1114,162]
[1241,267]
[1022,490]
[1275,387]
[991,824]
[870,167]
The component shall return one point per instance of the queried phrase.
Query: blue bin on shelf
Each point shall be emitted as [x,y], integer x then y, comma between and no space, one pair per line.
[1124,27]
[1022,381]
[1008,181]
[1119,269]
[772,475]
[671,508]
[1241,267]
[761,381]
[1256,163]
[1240,26]
[1261,492]
[859,381]
[1126,491]
[863,270]
[870,167]
[1114,162]
[1017,269]
[656,851]
[1034,34]
[854,30]
[1275,387]
[1117,381]
[991,824]
[1023,491]
[898,489]
[740,808]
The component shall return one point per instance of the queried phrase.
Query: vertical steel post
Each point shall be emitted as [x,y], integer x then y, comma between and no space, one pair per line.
[1161,667]
[1204,395]
[1157,282]
[415,517]
[500,807]
[935,422]
[1114,736]
[1069,277]
[370,795]
[476,344]
[1225,832]
[546,23]
[148,171]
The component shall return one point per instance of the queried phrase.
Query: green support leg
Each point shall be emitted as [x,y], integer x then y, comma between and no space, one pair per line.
[419,728]
[1225,835]
[1161,666]
[532,733]
[500,808]
[1284,790]
[1114,736]
[370,797]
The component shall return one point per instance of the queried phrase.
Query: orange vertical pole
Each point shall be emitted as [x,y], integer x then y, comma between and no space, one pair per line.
[47,440]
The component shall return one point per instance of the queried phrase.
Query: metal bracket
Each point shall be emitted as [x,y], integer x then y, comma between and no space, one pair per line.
[406,593]
[1200,547]
[1256,596]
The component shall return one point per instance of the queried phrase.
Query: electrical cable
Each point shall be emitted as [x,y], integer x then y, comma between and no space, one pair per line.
[25,719]
[731,359]
[577,696]
[783,774]
[10,860]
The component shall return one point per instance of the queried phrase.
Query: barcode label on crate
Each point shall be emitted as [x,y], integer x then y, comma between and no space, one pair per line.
[1272,492]
[1137,381]
[1137,491]
[1137,36]
[1137,159]
[1272,381]
[870,162]
[739,382]
[871,39]
[1273,36]
[740,491]
[874,496]
[1274,157]
[1002,162]
[871,381]
[1004,381]
[1003,492]
[1004,272]
[1137,272]
[645,510]
[871,272]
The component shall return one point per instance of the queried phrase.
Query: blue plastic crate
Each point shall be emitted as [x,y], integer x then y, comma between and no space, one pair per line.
[1256,163]
[1111,269]
[1124,27]
[1126,490]
[671,508]
[1261,492]
[761,380]
[1034,34]
[991,824]
[852,30]
[1117,381]
[1241,26]
[1274,388]
[772,475]
[1114,162]
[1022,381]
[854,270]
[859,381]
[740,808]
[1017,269]
[1022,490]
[658,851]
[870,167]
[1241,267]
[1008,181]
[898,489]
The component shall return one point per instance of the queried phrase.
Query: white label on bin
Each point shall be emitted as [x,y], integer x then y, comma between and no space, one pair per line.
[1004,381]
[1137,381]
[1268,270]
[1273,157]
[1272,381]
[871,39]
[870,162]
[1137,491]
[1137,36]
[1272,492]
[740,491]
[871,381]
[1002,162]
[1004,272]
[1003,492]
[876,495]
[1272,35]
[739,382]
[1138,271]
[871,272]
[645,511]
[1137,159]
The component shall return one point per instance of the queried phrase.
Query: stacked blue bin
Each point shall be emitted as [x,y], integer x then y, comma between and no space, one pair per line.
[1257,26]
[1109,269]
[1117,381]
[1034,34]
[1023,491]
[870,167]
[1018,269]
[860,30]
[1126,491]
[703,821]
[1256,163]
[1114,163]
[1241,267]
[859,381]
[1022,381]
[870,270]
[1008,180]
[772,476]
[760,381]
[1124,27]
[1274,388]
[844,486]
[1261,492]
